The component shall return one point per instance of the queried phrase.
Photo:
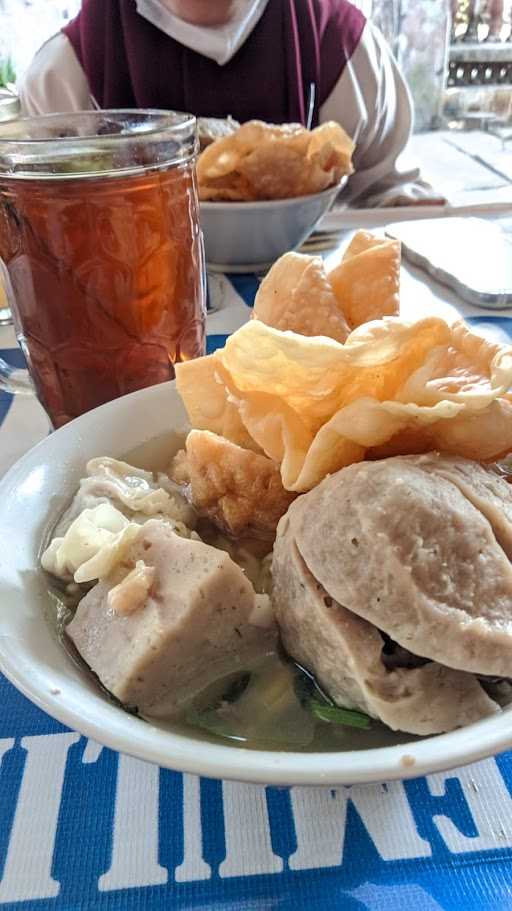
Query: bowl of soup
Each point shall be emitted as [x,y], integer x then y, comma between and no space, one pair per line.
[290,565]
[41,660]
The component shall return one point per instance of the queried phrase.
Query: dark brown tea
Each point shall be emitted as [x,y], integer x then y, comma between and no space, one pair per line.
[107,280]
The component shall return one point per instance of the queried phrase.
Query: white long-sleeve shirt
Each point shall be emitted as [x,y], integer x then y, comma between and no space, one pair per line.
[370,100]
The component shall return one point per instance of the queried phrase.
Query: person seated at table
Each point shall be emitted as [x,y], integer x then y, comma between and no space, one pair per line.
[244,58]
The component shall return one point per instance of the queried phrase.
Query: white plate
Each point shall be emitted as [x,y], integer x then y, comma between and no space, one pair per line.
[32,495]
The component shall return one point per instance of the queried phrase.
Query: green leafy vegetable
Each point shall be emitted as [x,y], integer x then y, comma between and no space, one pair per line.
[334,715]
[7,74]
[312,698]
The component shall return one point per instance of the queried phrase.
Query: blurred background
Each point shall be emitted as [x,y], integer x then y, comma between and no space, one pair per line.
[455,54]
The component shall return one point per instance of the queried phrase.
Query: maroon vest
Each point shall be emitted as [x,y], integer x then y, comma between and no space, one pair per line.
[131,63]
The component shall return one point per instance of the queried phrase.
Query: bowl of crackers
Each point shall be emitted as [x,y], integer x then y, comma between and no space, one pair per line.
[264,187]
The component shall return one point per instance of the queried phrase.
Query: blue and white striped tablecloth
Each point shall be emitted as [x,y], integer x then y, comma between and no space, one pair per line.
[82,827]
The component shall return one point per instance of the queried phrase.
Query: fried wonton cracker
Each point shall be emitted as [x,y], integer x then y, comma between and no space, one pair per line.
[367,281]
[296,295]
[240,491]
[207,404]
[329,155]
[267,161]
[314,406]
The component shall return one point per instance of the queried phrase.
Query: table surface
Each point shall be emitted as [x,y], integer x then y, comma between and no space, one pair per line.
[469,168]
[82,827]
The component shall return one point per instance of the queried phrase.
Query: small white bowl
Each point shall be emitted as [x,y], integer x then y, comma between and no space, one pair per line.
[248,236]
[32,495]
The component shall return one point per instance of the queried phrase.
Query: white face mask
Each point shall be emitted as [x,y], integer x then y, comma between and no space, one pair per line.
[219,43]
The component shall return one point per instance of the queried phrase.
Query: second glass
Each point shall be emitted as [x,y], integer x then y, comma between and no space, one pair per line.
[102,252]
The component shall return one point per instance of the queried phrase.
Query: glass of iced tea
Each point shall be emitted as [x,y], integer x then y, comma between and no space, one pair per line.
[101,255]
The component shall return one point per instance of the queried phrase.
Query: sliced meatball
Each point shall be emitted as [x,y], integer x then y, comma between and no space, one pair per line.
[183,615]
[345,653]
[419,546]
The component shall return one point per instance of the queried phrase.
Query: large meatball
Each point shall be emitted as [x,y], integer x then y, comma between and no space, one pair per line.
[415,550]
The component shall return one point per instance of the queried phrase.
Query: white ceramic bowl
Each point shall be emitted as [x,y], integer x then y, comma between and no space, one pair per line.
[32,495]
[245,236]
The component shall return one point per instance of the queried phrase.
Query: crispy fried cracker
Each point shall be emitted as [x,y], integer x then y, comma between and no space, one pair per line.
[367,281]
[314,405]
[240,491]
[205,398]
[268,161]
[296,295]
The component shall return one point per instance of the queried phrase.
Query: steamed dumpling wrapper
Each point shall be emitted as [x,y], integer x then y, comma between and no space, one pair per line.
[94,542]
[314,405]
